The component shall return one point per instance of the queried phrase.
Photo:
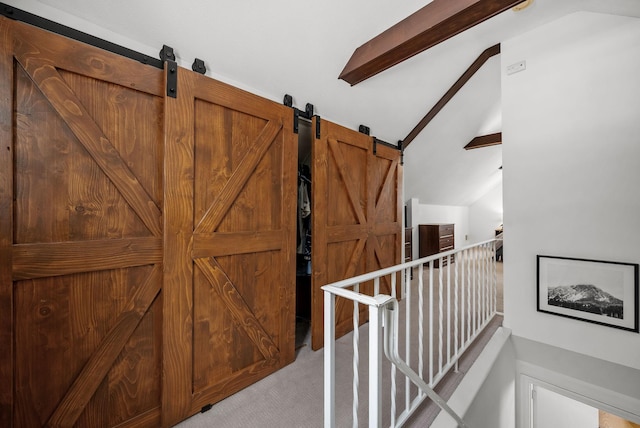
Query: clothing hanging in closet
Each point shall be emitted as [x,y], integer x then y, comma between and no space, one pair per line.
[304,213]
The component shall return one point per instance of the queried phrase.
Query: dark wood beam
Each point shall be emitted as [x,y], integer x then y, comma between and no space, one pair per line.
[434,23]
[485,141]
[473,68]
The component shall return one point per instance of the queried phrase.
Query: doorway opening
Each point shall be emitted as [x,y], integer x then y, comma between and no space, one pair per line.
[552,406]
[303,240]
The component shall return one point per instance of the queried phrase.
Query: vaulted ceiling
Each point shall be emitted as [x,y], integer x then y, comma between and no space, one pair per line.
[280,47]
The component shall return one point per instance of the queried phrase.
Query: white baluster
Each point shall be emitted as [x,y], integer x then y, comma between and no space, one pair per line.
[455,311]
[356,357]
[393,366]
[440,316]
[329,360]
[431,350]
[375,367]
[448,258]
[408,299]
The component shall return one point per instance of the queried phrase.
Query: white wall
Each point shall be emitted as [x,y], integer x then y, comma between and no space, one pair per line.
[485,397]
[555,410]
[425,213]
[571,156]
[475,223]
[485,215]
[494,405]
[600,384]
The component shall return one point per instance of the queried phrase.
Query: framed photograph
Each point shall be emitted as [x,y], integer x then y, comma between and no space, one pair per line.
[595,291]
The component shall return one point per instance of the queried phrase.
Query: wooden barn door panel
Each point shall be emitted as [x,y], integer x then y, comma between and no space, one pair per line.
[231,195]
[81,227]
[340,219]
[356,218]
[385,199]
[6,227]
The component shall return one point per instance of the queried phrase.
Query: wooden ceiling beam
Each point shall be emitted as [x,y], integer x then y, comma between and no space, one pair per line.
[473,68]
[433,24]
[485,141]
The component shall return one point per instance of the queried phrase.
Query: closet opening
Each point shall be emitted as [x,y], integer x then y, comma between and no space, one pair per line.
[303,236]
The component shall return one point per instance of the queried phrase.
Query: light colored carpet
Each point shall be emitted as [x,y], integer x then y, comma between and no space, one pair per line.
[292,397]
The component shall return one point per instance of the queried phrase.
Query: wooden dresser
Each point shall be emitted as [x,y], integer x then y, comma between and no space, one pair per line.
[435,238]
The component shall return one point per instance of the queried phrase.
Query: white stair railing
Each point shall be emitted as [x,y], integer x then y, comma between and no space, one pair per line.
[455,306]
[391,352]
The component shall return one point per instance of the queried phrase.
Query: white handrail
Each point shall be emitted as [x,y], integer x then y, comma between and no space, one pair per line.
[391,351]
[377,301]
[473,301]
[349,282]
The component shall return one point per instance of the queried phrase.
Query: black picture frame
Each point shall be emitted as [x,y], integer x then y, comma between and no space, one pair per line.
[595,291]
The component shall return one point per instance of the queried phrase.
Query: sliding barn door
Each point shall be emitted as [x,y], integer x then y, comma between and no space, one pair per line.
[385,208]
[340,219]
[355,214]
[80,234]
[230,246]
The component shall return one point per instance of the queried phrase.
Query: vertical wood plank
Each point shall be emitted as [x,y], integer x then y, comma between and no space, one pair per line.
[385,188]
[177,359]
[399,185]
[319,221]
[340,219]
[6,225]
[286,212]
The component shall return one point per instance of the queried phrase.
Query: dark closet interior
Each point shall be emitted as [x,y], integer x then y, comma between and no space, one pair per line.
[303,236]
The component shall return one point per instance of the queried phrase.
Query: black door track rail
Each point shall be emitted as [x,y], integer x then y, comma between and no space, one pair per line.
[37,21]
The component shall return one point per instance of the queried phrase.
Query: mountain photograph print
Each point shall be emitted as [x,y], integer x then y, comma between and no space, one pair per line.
[600,292]
[587,298]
